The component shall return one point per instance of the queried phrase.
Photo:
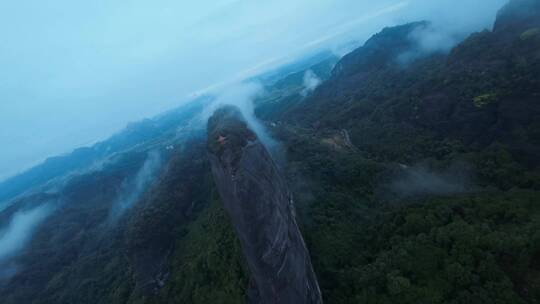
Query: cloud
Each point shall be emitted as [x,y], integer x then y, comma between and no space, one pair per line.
[242,96]
[429,40]
[131,190]
[20,230]
[311,82]
[421,180]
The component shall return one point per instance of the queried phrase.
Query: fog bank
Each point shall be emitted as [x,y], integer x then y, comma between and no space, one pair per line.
[20,229]
[132,189]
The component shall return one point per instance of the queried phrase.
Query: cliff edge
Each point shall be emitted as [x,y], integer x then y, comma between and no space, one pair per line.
[261,209]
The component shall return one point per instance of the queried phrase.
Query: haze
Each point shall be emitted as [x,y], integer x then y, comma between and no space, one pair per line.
[74,72]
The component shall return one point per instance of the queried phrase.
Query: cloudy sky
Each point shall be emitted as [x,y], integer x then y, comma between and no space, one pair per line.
[74,72]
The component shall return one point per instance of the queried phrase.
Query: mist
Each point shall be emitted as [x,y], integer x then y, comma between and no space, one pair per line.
[427,41]
[19,231]
[132,190]
[311,82]
[242,96]
[74,73]
[422,180]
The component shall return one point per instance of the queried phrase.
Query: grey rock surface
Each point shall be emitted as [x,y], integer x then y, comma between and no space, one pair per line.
[262,211]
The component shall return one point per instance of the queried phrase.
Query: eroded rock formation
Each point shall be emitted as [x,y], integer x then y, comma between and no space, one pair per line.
[262,211]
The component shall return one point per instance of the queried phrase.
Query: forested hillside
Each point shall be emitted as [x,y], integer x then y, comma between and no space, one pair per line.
[415,177]
[418,181]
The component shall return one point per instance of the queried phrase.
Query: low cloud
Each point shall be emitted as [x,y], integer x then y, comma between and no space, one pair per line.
[20,230]
[311,82]
[422,180]
[132,190]
[242,96]
[429,40]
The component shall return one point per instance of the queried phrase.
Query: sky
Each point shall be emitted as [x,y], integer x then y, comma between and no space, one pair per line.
[75,72]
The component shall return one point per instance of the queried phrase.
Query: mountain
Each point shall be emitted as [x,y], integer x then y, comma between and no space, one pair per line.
[483,92]
[104,235]
[409,176]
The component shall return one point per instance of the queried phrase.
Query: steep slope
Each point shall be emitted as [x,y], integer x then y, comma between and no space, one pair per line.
[112,231]
[485,91]
[435,199]
[126,221]
[112,226]
[262,211]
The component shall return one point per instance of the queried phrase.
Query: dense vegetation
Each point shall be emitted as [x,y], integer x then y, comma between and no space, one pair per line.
[208,264]
[470,247]
[462,129]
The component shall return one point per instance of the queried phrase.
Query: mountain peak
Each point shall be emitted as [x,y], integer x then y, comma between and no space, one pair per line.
[381,49]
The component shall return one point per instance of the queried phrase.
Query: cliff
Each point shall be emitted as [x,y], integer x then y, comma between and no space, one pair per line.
[261,209]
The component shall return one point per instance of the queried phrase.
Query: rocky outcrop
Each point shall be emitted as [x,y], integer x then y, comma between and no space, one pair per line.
[261,209]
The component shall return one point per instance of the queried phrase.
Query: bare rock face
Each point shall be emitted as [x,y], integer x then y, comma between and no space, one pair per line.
[261,209]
